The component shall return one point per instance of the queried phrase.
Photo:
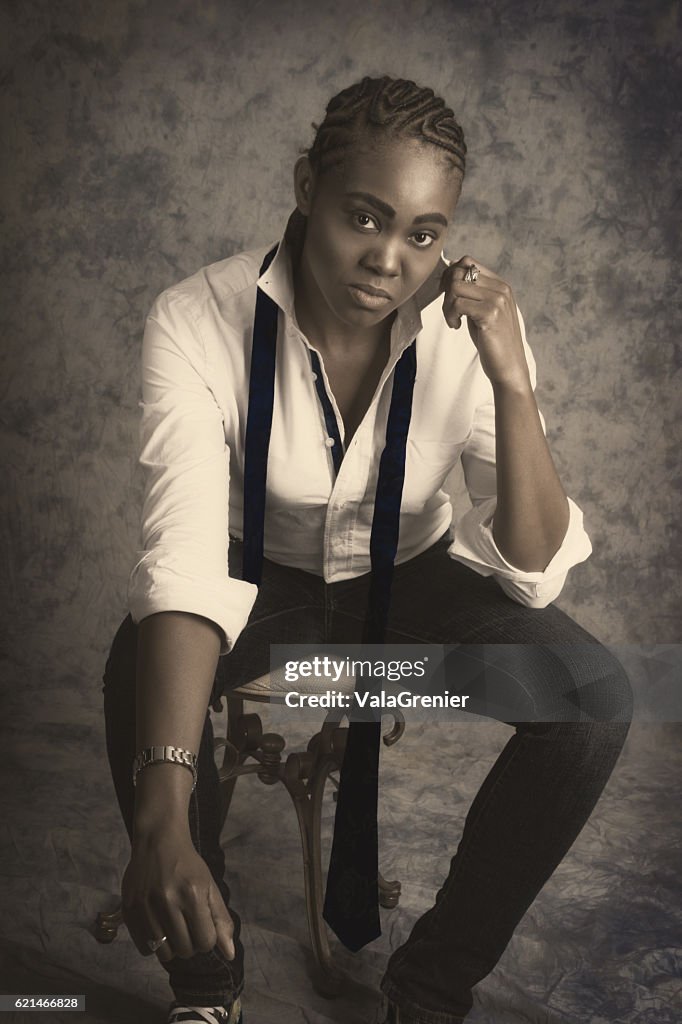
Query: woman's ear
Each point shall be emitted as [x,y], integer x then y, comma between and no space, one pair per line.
[304,184]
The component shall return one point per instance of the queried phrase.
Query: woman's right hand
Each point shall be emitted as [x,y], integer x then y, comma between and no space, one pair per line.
[167,889]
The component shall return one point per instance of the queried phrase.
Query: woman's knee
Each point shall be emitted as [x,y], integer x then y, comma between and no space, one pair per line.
[558,683]
[601,689]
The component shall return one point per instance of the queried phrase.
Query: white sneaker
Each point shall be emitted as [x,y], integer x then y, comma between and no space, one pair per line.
[181,1014]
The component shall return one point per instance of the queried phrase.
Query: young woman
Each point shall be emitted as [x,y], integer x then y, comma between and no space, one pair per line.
[354,355]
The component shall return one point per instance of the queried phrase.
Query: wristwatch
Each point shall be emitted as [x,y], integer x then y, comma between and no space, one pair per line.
[159,755]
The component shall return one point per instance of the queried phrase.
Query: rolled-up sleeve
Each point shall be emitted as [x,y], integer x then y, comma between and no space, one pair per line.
[473,543]
[183,565]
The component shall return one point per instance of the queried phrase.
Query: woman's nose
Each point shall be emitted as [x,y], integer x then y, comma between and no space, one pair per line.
[383,261]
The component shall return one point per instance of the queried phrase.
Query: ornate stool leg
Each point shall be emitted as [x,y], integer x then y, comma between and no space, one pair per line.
[307,798]
[107,925]
[389,892]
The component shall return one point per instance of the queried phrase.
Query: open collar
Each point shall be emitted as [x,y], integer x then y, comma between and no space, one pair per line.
[278,283]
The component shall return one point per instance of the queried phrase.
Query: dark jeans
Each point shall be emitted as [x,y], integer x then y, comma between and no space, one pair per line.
[528,812]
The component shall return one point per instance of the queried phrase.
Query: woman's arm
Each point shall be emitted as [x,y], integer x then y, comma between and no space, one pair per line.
[522,527]
[167,889]
[532,515]
[177,656]
[188,610]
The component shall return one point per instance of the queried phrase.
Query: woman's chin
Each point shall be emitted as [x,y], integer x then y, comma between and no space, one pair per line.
[357,315]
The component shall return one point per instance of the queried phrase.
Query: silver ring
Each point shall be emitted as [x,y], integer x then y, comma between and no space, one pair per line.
[472,273]
[155,944]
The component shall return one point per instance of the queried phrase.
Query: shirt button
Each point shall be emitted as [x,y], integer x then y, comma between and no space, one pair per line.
[330,442]
[314,376]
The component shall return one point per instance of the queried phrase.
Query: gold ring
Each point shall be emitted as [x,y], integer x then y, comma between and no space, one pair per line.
[472,273]
[154,944]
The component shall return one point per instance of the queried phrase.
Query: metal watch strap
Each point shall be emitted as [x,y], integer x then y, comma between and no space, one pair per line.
[165,754]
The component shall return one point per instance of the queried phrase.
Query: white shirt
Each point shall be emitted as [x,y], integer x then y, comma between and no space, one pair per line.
[195,386]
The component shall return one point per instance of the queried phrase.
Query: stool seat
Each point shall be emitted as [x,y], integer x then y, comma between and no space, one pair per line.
[273,686]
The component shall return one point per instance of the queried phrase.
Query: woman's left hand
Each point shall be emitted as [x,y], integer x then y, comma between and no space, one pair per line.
[490,308]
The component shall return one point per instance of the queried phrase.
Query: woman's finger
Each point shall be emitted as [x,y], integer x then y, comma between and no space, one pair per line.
[464,262]
[476,292]
[222,921]
[165,952]
[199,921]
[173,925]
[456,279]
[455,309]
[144,927]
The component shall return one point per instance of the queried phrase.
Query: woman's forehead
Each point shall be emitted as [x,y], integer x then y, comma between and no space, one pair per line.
[410,176]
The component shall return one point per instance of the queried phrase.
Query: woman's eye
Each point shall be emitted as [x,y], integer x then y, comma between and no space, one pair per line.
[422,239]
[364,220]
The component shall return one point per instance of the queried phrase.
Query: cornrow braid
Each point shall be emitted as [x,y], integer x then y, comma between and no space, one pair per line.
[395,106]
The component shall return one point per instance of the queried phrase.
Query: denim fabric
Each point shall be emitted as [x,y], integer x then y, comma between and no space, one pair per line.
[525,817]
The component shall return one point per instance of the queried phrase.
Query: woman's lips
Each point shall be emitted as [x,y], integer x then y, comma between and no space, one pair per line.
[368,300]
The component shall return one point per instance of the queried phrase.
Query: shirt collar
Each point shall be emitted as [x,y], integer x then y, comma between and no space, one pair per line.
[278,283]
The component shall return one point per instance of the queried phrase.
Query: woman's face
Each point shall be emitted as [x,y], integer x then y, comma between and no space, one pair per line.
[376,222]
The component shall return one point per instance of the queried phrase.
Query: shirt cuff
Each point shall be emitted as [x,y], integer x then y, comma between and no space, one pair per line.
[474,546]
[164,588]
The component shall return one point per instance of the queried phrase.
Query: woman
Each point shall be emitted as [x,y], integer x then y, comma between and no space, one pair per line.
[383,350]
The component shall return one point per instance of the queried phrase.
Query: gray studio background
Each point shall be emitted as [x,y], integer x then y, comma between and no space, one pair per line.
[145,139]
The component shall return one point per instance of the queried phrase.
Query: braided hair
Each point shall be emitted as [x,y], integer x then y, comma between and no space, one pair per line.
[393,107]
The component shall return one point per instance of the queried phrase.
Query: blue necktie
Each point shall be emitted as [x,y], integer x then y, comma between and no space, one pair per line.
[351,906]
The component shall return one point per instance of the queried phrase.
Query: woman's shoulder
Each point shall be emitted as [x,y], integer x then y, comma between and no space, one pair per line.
[220,282]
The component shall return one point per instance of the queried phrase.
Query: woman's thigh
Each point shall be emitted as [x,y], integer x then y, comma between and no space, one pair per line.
[437,600]
[537,662]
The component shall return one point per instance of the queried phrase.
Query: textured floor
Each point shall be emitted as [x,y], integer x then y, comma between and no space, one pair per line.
[602,942]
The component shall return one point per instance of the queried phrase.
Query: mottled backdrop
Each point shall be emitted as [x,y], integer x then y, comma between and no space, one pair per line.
[147,139]
[142,140]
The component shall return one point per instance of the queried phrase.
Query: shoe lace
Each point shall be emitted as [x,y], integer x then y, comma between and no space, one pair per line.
[210,1014]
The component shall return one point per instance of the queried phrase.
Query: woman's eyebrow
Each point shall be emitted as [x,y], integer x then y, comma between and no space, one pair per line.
[388,211]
